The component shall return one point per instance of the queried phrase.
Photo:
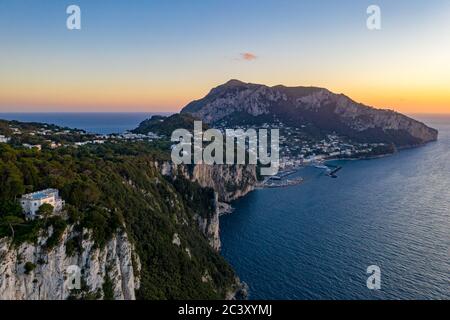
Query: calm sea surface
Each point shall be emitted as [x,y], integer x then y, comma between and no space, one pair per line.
[102,123]
[316,240]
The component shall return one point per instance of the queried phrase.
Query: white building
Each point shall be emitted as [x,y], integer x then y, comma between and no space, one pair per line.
[4,139]
[80,144]
[31,146]
[54,145]
[33,201]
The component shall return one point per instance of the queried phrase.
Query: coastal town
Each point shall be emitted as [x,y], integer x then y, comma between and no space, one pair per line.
[296,148]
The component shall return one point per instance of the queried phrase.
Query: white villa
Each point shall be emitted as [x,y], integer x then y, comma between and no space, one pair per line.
[4,139]
[31,202]
[30,146]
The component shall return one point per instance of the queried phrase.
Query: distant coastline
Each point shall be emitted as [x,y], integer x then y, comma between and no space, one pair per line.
[92,122]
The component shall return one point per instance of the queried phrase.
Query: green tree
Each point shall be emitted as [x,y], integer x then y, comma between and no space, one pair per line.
[11,222]
[108,290]
[11,181]
[75,216]
[81,194]
[10,208]
[45,211]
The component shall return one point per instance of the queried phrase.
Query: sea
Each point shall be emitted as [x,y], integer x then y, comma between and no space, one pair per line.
[317,240]
[100,123]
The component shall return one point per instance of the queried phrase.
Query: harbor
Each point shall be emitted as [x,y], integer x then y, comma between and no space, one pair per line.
[330,169]
[283,183]
[281,179]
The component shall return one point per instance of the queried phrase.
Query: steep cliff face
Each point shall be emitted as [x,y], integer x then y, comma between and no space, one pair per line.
[210,227]
[317,108]
[229,182]
[30,272]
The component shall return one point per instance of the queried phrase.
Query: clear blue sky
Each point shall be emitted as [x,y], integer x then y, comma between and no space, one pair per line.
[159,55]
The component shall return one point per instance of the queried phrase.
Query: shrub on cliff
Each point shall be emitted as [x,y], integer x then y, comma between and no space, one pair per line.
[29,267]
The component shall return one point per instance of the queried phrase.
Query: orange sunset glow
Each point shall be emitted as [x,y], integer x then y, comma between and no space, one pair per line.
[149,63]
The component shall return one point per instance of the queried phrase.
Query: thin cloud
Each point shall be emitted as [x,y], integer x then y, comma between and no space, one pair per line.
[248,56]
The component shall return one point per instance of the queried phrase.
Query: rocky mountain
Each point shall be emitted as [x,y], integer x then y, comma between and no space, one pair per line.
[317,110]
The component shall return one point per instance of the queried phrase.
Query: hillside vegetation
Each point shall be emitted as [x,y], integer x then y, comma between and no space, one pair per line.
[117,185]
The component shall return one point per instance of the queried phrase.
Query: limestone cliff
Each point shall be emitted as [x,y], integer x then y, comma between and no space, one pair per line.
[229,182]
[31,272]
[211,227]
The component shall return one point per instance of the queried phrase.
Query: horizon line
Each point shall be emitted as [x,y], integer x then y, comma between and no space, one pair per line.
[168,112]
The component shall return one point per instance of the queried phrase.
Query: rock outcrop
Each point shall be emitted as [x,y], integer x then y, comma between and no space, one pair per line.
[31,272]
[229,182]
[210,227]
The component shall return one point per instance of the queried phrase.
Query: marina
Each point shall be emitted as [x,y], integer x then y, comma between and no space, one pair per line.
[279,180]
[285,183]
[331,170]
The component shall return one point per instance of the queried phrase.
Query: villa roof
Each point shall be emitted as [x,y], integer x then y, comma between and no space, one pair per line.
[40,194]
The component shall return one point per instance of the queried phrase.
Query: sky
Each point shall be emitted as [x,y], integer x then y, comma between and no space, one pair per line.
[158,55]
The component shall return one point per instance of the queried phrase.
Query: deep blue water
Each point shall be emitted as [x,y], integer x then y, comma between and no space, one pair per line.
[101,123]
[316,240]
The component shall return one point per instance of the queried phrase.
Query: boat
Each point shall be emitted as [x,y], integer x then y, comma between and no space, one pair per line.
[321,166]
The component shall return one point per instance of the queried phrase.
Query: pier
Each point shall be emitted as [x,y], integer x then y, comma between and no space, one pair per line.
[279,180]
[285,183]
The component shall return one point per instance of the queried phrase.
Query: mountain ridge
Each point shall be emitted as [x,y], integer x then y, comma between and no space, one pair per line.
[318,107]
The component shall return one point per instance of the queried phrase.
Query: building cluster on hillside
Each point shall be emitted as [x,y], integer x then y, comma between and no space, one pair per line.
[298,149]
[83,143]
[126,136]
[15,130]
[137,136]
[333,147]
[43,135]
